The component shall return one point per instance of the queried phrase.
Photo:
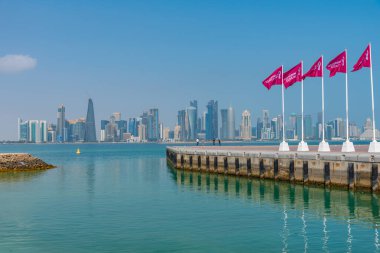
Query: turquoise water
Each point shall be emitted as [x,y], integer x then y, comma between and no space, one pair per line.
[124,198]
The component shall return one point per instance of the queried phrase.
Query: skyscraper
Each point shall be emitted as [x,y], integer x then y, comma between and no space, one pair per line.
[227,130]
[191,114]
[194,104]
[230,123]
[246,126]
[153,126]
[181,122]
[90,132]
[212,120]
[223,128]
[61,124]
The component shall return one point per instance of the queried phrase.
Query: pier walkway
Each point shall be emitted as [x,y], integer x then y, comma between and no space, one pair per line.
[358,170]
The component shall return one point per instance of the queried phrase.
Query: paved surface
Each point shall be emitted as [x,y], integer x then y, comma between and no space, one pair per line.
[333,148]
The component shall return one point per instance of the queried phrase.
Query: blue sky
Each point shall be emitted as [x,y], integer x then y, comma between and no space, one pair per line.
[130,56]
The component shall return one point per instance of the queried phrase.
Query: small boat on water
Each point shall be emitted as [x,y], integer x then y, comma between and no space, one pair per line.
[78,151]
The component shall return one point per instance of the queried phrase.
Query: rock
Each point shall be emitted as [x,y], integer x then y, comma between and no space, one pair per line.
[22,162]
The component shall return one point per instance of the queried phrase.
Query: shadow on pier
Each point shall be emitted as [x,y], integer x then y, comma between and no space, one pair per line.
[322,202]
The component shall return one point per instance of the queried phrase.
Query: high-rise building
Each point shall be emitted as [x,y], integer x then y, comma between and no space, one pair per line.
[191,126]
[224,123]
[34,131]
[111,130]
[230,123]
[122,126]
[142,132]
[90,131]
[181,122]
[61,124]
[52,134]
[132,126]
[212,120]
[23,130]
[275,133]
[266,122]
[77,130]
[308,127]
[153,125]
[259,128]
[194,104]
[227,130]
[339,128]
[103,124]
[203,122]
[246,126]
[43,131]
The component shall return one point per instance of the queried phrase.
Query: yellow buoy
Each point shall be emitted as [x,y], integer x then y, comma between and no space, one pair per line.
[78,151]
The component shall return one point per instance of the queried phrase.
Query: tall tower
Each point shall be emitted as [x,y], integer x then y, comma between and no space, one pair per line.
[90,131]
[230,123]
[61,123]
[246,126]
[212,120]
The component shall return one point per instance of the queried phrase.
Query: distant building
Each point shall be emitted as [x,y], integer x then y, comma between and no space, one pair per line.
[111,131]
[212,120]
[142,132]
[132,126]
[227,129]
[246,126]
[191,123]
[61,126]
[90,130]
[181,123]
[23,130]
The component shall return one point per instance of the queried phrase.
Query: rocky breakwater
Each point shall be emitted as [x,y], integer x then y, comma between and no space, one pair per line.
[22,162]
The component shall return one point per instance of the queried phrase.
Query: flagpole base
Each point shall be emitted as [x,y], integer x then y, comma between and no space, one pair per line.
[374,147]
[324,147]
[348,146]
[284,146]
[302,146]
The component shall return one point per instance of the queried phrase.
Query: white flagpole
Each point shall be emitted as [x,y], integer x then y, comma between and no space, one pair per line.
[347,145]
[283,103]
[323,106]
[284,145]
[302,146]
[323,146]
[373,102]
[374,146]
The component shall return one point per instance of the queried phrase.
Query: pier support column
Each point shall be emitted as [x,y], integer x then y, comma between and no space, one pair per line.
[255,166]
[283,169]
[339,173]
[316,172]
[268,171]
[363,175]
[232,168]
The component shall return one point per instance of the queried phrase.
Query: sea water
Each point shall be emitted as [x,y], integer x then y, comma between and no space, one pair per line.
[125,198]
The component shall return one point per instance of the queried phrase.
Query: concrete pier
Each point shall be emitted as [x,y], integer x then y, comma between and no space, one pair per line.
[359,171]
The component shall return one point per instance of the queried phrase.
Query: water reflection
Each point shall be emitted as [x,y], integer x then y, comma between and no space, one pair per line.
[19,176]
[344,205]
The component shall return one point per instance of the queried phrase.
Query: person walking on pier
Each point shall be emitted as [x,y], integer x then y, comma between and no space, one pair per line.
[220,143]
[197,142]
[213,141]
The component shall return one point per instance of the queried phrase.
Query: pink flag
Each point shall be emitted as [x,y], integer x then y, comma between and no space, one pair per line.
[316,70]
[293,75]
[364,60]
[338,64]
[274,79]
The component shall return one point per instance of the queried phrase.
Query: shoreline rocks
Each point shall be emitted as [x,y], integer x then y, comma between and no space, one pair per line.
[22,162]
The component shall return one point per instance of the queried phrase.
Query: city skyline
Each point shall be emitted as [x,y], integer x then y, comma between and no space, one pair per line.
[211,124]
[225,50]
